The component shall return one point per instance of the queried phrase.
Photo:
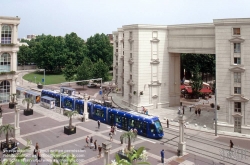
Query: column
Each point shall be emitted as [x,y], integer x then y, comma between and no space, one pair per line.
[106,157]
[14,38]
[13,85]
[0,32]
[85,114]
[14,61]
[17,117]
[181,144]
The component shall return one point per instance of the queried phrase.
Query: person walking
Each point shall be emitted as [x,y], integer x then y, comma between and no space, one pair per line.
[95,144]
[231,145]
[87,141]
[199,112]
[99,123]
[167,123]
[38,157]
[121,139]
[162,155]
[100,150]
[91,139]
[110,136]
[196,112]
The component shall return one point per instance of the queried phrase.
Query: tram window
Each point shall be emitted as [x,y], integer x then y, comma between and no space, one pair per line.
[158,126]
[99,113]
[118,119]
[68,104]
[131,123]
[152,128]
[140,125]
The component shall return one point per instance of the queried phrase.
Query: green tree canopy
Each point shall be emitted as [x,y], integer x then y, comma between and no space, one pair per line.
[100,70]
[196,81]
[99,47]
[85,70]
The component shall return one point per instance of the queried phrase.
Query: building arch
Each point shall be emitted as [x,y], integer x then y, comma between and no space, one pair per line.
[4,91]
[6,34]
[5,62]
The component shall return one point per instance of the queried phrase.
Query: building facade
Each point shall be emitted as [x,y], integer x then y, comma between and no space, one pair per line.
[146,65]
[8,56]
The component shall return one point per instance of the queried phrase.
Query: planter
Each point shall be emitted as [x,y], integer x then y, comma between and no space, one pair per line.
[40,86]
[69,131]
[12,105]
[9,149]
[28,112]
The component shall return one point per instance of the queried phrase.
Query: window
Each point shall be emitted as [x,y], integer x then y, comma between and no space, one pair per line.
[237,77]
[236,31]
[79,108]
[130,68]
[237,60]
[237,90]
[5,91]
[116,50]
[158,126]
[152,128]
[98,112]
[237,107]
[130,35]
[118,119]
[116,44]
[131,55]
[130,77]
[6,34]
[236,47]
[68,104]
[130,89]
[5,62]
[130,46]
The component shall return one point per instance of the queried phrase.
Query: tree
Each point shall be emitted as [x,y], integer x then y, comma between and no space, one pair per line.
[100,70]
[70,114]
[196,82]
[7,129]
[130,136]
[85,71]
[99,47]
[24,55]
[29,103]
[69,70]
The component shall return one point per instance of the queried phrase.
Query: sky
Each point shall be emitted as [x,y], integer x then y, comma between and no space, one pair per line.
[88,17]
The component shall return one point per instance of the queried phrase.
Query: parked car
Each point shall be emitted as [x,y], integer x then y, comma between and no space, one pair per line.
[91,85]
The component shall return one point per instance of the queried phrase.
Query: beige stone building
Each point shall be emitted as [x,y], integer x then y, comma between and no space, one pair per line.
[8,56]
[146,65]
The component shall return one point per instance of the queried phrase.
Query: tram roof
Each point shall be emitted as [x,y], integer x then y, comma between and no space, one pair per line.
[48,98]
[20,89]
[33,93]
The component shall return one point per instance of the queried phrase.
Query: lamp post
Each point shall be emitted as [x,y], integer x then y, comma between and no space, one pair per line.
[35,79]
[182,143]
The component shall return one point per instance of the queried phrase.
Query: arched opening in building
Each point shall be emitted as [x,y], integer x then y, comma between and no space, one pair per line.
[6,34]
[4,91]
[5,61]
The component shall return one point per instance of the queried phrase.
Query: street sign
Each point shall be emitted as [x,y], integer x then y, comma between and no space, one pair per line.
[42,79]
[100,92]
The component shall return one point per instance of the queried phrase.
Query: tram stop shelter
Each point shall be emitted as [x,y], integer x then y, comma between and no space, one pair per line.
[48,102]
[20,92]
[36,97]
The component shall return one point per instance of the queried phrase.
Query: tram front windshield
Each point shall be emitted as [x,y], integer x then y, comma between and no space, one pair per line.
[158,127]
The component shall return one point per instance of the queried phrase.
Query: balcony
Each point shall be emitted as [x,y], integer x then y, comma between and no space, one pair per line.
[154,61]
[130,61]
[122,57]
[130,82]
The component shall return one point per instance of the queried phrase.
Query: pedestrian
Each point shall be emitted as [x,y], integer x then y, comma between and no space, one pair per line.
[162,155]
[231,145]
[38,156]
[135,131]
[183,110]
[36,150]
[199,112]
[167,123]
[99,123]
[110,136]
[190,109]
[95,144]
[91,139]
[121,139]
[87,141]
[196,112]
[100,150]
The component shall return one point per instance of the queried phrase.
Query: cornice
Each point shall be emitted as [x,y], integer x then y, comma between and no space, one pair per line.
[155,40]
[154,83]
[236,40]
[130,40]
[237,98]
[237,115]
[154,61]
[237,69]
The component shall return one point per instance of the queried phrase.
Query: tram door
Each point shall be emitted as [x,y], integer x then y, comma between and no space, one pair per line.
[111,119]
[144,129]
[124,123]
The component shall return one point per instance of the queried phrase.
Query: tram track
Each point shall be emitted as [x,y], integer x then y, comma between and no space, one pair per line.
[198,149]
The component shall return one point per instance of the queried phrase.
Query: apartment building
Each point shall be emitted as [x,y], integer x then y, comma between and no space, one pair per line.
[8,56]
[146,65]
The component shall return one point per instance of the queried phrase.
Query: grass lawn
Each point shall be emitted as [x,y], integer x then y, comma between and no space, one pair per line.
[49,78]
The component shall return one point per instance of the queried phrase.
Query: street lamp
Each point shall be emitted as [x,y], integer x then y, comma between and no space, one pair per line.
[35,79]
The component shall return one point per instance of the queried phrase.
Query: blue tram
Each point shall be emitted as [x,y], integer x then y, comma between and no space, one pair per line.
[148,126]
